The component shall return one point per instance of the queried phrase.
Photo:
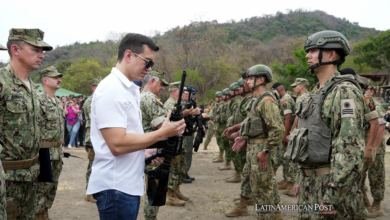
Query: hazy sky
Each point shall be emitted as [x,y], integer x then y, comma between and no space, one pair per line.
[87,20]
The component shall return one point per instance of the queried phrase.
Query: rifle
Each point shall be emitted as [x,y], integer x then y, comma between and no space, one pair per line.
[200,123]
[67,155]
[157,192]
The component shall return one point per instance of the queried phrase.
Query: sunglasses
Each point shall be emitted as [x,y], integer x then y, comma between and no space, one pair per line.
[149,63]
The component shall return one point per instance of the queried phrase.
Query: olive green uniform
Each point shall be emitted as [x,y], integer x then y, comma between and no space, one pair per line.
[219,125]
[88,142]
[232,107]
[210,130]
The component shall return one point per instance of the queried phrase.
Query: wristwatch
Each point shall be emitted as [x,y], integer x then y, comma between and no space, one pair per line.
[266,151]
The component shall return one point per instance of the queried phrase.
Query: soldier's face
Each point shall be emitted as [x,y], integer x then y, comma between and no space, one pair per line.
[241,89]
[297,89]
[369,92]
[30,56]
[158,87]
[53,82]
[232,92]
[312,57]
[251,81]
[223,97]
[247,87]
[185,95]
[137,65]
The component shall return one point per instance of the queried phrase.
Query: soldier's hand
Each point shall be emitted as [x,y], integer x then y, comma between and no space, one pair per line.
[234,136]
[196,112]
[226,132]
[285,140]
[262,159]
[171,128]
[216,129]
[296,190]
[367,155]
[157,161]
[238,144]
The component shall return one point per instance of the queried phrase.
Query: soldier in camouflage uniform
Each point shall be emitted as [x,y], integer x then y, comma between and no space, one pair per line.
[287,112]
[224,115]
[211,129]
[261,132]
[330,136]
[3,214]
[215,118]
[88,143]
[51,122]
[177,173]
[376,165]
[232,109]
[153,115]
[20,133]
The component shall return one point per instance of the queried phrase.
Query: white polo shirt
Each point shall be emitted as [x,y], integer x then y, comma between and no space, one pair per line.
[116,103]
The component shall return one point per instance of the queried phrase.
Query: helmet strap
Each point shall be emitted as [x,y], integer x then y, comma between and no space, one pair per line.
[320,63]
[254,84]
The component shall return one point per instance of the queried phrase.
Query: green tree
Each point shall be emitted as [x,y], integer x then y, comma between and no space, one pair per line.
[77,75]
[288,73]
[375,52]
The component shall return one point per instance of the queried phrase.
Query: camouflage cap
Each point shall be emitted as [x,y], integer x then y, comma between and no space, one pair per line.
[95,81]
[50,72]
[31,36]
[160,75]
[371,87]
[299,81]
[174,85]
[2,47]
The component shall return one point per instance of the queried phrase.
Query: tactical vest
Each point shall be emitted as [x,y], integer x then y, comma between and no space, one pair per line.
[237,117]
[225,113]
[254,125]
[311,142]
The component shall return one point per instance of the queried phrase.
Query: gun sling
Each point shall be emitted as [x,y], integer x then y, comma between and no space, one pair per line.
[19,164]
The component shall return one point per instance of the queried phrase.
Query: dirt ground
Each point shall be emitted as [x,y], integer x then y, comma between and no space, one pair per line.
[210,196]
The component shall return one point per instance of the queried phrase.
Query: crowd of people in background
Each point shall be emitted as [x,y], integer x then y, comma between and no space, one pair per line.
[75,120]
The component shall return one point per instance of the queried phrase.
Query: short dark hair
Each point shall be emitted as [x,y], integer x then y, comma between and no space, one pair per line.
[135,43]
[14,42]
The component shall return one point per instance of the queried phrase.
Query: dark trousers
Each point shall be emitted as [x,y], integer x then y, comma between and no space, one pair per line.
[116,205]
[190,144]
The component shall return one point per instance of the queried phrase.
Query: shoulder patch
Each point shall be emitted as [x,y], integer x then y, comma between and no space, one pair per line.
[370,103]
[159,102]
[284,105]
[348,108]
[269,99]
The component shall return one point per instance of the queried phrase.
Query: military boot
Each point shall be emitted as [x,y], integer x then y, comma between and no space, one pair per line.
[46,214]
[236,178]
[289,190]
[172,199]
[226,166]
[241,209]
[366,200]
[278,215]
[219,158]
[375,210]
[282,182]
[89,198]
[250,202]
[181,196]
[38,216]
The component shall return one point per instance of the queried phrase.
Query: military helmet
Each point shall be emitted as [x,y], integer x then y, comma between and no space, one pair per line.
[240,82]
[218,94]
[328,40]
[234,86]
[260,70]
[226,91]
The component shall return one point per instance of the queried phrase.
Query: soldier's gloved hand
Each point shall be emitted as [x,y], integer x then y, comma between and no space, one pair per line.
[66,154]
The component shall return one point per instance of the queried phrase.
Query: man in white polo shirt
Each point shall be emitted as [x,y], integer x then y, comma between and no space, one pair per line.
[117,179]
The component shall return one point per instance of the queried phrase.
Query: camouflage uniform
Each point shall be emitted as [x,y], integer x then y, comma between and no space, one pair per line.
[21,137]
[287,106]
[221,127]
[229,154]
[339,188]
[210,130]
[262,183]
[3,214]
[153,114]
[51,122]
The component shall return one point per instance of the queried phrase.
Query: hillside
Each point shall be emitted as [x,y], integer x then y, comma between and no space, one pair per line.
[215,54]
